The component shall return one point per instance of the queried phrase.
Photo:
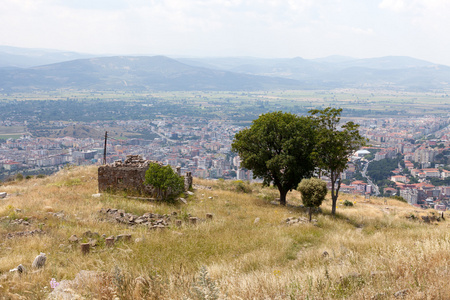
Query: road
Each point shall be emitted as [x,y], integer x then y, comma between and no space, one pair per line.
[363,173]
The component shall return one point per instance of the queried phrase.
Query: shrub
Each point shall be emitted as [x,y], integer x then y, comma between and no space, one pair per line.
[348,203]
[40,176]
[166,182]
[242,187]
[19,177]
[313,192]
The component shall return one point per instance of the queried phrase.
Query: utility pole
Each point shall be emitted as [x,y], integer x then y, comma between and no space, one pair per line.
[104,150]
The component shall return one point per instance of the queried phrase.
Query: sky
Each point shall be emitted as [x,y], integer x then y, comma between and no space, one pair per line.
[225,28]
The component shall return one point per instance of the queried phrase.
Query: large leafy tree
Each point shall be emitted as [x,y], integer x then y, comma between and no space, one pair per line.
[277,147]
[335,144]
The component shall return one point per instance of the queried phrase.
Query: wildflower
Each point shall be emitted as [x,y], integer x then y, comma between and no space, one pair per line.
[53,283]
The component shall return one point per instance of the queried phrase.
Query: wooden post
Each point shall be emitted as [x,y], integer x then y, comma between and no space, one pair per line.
[178,223]
[85,247]
[209,216]
[193,220]
[104,150]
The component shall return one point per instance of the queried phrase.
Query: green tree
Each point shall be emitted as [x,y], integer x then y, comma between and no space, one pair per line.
[277,147]
[313,192]
[166,182]
[334,146]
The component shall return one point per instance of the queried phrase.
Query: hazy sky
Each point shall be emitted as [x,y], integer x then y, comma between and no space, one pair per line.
[272,28]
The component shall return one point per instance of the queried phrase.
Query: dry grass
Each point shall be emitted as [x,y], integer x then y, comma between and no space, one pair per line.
[372,249]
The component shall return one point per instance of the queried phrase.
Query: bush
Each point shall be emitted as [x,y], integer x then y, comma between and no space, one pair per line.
[164,180]
[40,176]
[348,203]
[242,187]
[19,177]
[28,177]
[313,192]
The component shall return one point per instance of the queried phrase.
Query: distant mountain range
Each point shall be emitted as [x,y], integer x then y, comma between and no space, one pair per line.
[28,69]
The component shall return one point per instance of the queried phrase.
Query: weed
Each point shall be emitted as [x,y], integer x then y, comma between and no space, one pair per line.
[205,287]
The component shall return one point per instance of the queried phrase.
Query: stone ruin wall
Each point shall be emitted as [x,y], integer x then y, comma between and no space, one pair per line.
[130,176]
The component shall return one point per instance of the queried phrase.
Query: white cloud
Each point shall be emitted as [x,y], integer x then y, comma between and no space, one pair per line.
[276,28]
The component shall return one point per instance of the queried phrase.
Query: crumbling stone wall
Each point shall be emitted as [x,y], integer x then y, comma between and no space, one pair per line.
[130,176]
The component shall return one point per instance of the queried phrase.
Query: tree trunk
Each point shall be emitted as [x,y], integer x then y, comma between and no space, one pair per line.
[333,195]
[334,202]
[283,197]
[334,192]
[310,214]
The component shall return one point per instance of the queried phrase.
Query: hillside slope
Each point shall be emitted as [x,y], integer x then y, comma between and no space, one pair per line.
[246,251]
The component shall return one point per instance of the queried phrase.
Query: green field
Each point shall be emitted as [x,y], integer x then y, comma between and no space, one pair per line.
[240,107]
[12,132]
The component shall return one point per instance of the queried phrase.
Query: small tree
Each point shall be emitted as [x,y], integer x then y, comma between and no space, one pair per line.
[313,192]
[334,146]
[166,182]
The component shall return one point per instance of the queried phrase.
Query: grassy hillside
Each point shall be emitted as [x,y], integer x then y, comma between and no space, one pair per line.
[247,251]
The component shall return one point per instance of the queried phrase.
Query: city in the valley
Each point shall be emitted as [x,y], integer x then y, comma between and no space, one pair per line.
[407,154]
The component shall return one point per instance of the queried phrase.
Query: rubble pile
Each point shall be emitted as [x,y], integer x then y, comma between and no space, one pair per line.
[11,235]
[135,161]
[149,219]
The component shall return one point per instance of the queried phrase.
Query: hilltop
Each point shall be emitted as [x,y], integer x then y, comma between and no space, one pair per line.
[251,248]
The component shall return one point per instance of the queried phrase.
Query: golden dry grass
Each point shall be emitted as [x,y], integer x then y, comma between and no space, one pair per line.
[372,249]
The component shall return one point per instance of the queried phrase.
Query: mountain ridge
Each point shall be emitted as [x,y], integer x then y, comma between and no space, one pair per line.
[220,73]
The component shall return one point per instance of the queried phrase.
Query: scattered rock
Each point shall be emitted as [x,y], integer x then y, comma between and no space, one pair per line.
[325,254]
[379,296]
[20,269]
[201,187]
[20,222]
[256,220]
[209,216]
[298,220]
[152,221]
[3,195]
[401,293]
[39,261]
[59,215]
[190,193]
[125,237]
[138,240]
[182,200]
[73,238]
[210,198]
[11,235]
[98,195]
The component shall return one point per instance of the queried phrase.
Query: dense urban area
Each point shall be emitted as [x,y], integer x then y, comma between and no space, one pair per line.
[406,156]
